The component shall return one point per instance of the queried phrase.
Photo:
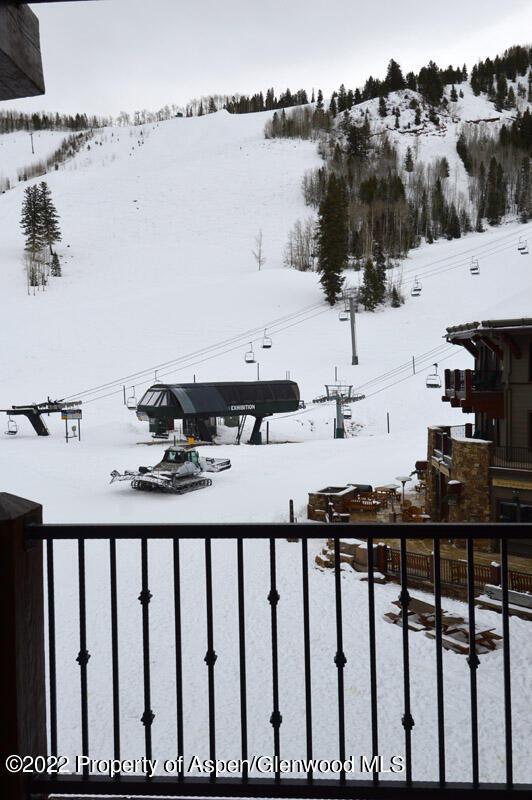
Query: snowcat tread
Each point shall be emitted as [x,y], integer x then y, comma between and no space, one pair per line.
[150,486]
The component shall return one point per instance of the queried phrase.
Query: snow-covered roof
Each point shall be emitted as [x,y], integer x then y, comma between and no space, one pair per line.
[469,328]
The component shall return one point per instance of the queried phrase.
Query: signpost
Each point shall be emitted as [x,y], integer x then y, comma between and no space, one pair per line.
[69,414]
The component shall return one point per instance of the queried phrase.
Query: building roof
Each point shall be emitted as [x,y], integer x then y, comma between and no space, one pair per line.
[469,329]
[224,398]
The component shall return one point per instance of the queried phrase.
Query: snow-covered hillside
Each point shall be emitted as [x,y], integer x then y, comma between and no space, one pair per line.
[158,230]
[16,151]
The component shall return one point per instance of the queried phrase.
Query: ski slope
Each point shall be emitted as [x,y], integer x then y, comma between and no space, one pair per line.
[158,230]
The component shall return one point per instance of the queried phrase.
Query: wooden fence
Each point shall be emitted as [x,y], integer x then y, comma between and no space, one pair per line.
[453,572]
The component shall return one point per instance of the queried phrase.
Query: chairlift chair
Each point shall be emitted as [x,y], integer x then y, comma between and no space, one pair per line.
[12,427]
[523,246]
[347,413]
[416,288]
[343,316]
[474,267]
[433,380]
[249,357]
[266,342]
[131,401]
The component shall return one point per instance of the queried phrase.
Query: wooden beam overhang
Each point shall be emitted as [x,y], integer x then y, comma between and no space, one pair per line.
[21,72]
[467,344]
[491,345]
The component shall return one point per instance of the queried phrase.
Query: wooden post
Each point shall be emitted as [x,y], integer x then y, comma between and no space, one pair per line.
[22,675]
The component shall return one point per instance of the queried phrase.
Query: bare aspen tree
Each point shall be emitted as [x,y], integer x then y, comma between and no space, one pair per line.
[258,253]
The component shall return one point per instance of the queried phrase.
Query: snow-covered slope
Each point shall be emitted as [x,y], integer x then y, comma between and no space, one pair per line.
[16,151]
[158,230]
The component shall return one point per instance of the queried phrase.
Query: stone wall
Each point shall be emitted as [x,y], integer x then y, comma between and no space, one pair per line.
[431,476]
[470,466]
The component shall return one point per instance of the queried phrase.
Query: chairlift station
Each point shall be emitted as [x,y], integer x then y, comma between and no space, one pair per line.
[200,405]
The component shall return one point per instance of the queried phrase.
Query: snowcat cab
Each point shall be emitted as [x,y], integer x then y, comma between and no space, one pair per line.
[179,455]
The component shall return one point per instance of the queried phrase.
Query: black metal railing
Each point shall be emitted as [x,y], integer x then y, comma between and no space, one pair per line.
[511,457]
[250,611]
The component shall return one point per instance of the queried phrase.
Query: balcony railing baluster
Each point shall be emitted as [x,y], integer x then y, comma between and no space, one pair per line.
[83,655]
[439,659]
[242,654]
[210,657]
[144,599]
[339,659]
[472,661]
[178,653]
[506,657]
[408,722]
[372,656]
[306,639]
[51,645]
[276,718]
[114,648]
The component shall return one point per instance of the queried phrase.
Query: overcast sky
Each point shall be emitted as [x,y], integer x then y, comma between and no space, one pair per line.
[108,55]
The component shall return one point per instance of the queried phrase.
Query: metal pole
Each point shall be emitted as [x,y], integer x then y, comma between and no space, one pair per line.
[258,371]
[32,150]
[413,365]
[124,389]
[267,433]
[336,374]
[388,420]
[340,430]
[354,356]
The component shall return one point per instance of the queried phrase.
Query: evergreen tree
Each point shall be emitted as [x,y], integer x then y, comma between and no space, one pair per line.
[333,237]
[358,139]
[453,224]
[430,83]
[32,221]
[367,290]
[56,266]
[463,151]
[382,106]
[411,81]
[333,108]
[319,102]
[409,161]
[502,91]
[396,299]
[212,106]
[394,77]
[510,98]
[49,217]
[417,117]
[342,99]
[453,95]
